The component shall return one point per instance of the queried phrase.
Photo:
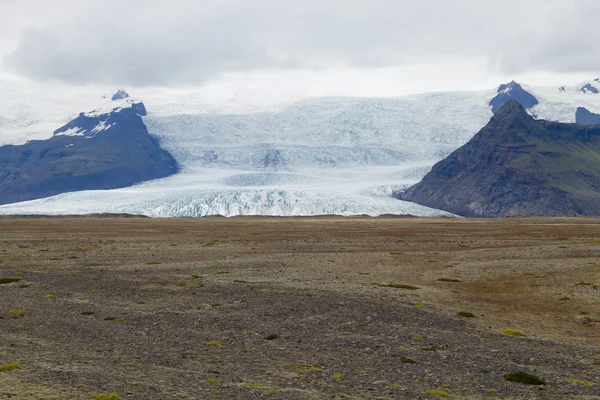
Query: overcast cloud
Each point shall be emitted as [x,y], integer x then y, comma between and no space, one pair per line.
[179,42]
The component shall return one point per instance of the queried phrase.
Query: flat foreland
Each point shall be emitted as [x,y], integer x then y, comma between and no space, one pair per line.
[284,308]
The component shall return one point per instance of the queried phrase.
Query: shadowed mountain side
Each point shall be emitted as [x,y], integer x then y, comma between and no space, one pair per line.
[512,91]
[517,166]
[94,151]
[584,116]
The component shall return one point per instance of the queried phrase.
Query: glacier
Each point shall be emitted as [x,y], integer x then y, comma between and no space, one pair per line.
[314,156]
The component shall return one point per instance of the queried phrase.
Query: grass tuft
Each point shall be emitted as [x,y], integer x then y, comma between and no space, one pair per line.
[408,361]
[580,382]
[399,286]
[213,382]
[213,343]
[337,377]
[10,367]
[449,280]
[466,314]
[525,378]
[272,336]
[106,396]
[18,312]
[512,332]
[6,281]
[439,393]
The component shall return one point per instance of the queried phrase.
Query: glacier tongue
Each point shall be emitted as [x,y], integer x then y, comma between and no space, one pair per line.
[232,192]
[229,203]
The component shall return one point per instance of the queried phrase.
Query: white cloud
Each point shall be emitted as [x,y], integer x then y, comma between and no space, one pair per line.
[191,42]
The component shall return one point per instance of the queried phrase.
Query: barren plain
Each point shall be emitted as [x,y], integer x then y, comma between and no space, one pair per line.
[298,308]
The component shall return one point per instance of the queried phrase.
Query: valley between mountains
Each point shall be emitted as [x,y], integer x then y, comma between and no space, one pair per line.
[181,155]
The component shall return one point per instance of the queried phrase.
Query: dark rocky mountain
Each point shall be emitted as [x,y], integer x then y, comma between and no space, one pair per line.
[120,95]
[589,88]
[512,91]
[98,150]
[584,116]
[517,166]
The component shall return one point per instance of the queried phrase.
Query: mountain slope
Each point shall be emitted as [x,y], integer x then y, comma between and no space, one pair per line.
[515,166]
[584,116]
[104,149]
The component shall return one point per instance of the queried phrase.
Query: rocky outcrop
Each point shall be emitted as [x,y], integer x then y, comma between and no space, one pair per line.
[512,91]
[589,88]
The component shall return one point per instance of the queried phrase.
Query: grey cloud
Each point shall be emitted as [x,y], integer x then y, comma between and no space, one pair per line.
[189,42]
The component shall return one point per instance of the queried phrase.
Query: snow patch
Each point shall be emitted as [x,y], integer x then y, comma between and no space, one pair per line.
[72,132]
[102,126]
[114,106]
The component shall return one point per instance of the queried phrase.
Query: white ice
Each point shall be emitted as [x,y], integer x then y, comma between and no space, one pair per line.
[343,156]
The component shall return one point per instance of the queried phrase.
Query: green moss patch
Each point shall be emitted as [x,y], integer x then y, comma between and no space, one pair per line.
[581,382]
[438,393]
[466,314]
[106,396]
[399,286]
[512,332]
[525,378]
[10,367]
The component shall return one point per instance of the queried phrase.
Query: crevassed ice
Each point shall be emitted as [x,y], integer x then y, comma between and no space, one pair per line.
[344,156]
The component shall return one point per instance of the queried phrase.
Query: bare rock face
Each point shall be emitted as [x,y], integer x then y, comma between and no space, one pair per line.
[584,116]
[517,166]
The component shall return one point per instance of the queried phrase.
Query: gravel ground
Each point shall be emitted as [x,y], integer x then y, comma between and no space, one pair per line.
[253,308]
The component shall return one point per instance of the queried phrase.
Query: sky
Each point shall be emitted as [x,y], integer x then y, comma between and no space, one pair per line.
[301,47]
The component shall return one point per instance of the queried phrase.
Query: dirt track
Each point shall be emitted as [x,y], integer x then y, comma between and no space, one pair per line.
[183,308]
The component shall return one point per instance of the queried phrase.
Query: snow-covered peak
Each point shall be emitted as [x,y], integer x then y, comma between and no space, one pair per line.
[89,124]
[116,106]
[507,88]
[591,86]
